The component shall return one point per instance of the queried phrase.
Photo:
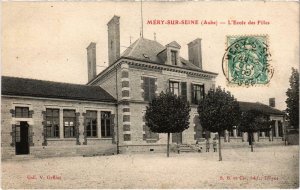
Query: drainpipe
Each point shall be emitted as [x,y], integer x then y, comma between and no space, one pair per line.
[117,107]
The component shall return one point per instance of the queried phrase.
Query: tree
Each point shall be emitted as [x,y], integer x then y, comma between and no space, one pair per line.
[292,100]
[253,121]
[168,113]
[219,111]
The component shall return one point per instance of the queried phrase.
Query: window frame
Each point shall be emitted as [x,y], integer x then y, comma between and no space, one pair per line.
[22,113]
[106,131]
[172,87]
[197,88]
[70,130]
[54,129]
[91,127]
[147,87]
[174,57]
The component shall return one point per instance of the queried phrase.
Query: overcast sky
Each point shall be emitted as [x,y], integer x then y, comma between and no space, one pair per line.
[48,40]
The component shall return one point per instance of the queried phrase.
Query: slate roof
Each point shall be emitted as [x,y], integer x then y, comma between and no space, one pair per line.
[143,47]
[245,106]
[48,89]
[148,50]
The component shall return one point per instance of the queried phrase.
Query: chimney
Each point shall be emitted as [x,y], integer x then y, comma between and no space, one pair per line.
[91,59]
[272,102]
[195,54]
[113,39]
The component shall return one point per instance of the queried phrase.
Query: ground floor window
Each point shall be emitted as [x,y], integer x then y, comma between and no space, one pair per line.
[69,123]
[52,120]
[91,124]
[106,124]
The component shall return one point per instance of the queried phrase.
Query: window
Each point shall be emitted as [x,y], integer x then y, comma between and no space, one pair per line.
[197,93]
[174,57]
[174,87]
[91,124]
[22,112]
[184,90]
[52,120]
[149,88]
[69,123]
[105,124]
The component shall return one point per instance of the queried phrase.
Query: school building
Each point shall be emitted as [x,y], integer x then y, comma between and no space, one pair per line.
[106,116]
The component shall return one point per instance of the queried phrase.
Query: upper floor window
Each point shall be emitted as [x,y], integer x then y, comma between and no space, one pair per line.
[106,124]
[149,88]
[69,123]
[91,124]
[52,120]
[197,93]
[174,87]
[22,112]
[174,57]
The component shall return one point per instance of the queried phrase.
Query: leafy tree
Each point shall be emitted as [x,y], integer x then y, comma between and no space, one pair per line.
[292,100]
[253,121]
[168,113]
[219,111]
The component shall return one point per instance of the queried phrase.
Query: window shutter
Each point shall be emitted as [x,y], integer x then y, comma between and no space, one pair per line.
[184,90]
[203,91]
[146,89]
[13,135]
[44,123]
[77,128]
[30,135]
[151,88]
[192,93]
[85,128]
[112,127]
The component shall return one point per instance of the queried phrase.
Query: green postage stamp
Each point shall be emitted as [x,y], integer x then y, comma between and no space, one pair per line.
[246,61]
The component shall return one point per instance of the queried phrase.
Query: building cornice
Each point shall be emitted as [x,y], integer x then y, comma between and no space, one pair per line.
[151,65]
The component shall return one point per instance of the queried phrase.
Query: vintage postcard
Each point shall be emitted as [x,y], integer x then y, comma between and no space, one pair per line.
[142,94]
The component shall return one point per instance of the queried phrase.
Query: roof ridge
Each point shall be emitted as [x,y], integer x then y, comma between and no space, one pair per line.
[45,80]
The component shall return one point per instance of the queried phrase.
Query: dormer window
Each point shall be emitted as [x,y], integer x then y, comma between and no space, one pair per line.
[174,57]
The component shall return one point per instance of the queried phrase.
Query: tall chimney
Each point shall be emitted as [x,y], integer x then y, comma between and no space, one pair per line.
[195,54]
[113,39]
[91,59]
[272,102]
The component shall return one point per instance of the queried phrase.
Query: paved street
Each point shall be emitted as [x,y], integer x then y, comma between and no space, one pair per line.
[269,167]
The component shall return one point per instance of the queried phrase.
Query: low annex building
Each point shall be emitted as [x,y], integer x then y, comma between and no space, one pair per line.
[46,119]
[106,115]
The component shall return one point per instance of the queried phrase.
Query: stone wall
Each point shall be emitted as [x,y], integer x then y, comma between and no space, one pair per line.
[59,146]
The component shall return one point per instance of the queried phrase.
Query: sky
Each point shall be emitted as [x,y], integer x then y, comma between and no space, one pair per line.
[48,40]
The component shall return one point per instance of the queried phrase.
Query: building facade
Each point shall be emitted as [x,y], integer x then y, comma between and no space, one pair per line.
[44,119]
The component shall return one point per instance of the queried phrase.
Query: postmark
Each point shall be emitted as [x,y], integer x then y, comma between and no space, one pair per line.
[246,61]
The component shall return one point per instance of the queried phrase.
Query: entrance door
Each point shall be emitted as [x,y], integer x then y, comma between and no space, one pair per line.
[22,142]
[177,138]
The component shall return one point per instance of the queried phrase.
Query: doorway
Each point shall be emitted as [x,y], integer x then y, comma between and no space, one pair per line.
[177,138]
[21,138]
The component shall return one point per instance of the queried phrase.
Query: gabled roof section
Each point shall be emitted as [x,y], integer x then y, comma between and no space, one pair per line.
[144,49]
[48,89]
[173,44]
[246,106]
